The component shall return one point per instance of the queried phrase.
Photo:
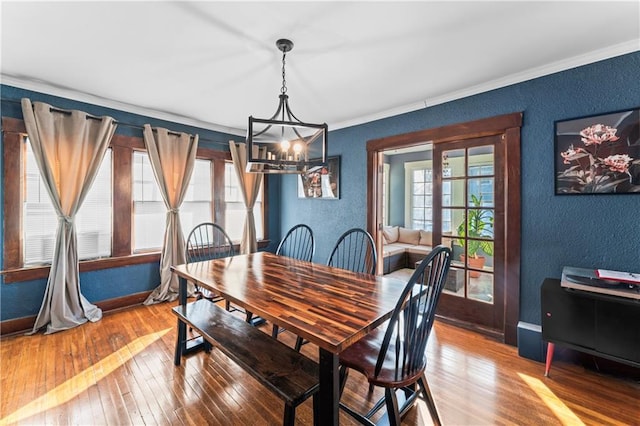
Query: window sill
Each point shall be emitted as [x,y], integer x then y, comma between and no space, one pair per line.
[40,272]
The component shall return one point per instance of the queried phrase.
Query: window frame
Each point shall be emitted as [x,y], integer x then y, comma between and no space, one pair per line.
[14,132]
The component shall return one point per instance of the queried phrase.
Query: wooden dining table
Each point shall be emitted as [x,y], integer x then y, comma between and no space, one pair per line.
[330,307]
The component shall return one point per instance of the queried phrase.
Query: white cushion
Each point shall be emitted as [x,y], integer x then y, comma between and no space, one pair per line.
[426,238]
[390,234]
[420,249]
[395,248]
[409,236]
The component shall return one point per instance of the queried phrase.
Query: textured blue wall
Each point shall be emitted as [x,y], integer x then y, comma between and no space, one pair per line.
[584,231]
[23,299]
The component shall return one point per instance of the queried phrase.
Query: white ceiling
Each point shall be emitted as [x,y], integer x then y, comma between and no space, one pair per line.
[212,64]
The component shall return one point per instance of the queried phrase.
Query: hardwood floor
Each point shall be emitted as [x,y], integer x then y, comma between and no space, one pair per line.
[120,371]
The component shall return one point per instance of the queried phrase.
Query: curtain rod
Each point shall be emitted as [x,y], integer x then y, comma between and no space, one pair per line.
[120,123]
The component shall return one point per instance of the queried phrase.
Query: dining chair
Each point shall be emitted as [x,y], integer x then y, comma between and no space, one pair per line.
[298,243]
[394,357]
[354,251]
[208,241]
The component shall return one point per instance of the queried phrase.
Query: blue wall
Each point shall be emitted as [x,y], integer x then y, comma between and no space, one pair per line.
[584,231]
[23,299]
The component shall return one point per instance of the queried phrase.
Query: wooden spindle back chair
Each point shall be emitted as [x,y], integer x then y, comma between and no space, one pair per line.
[396,360]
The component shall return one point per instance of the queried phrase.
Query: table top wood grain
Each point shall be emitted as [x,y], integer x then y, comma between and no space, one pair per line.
[330,307]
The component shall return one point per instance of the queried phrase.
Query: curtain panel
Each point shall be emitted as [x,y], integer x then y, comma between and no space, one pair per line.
[172,156]
[250,184]
[68,147]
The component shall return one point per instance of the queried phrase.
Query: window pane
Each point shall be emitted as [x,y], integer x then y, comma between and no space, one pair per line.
[235,212]
[150,212]
[93,221]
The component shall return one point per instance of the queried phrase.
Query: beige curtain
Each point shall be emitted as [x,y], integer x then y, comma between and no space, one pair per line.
[68,147]
[172,157]
[250,184]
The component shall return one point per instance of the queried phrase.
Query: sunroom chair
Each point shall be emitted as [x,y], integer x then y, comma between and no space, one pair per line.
[298,243]
[394,358]
[354,251]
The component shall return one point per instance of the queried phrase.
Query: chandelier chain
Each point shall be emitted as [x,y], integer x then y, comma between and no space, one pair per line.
[283,90]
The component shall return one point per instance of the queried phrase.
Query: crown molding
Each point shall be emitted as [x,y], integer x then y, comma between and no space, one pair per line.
[566,64]
[65,92]
[573,62]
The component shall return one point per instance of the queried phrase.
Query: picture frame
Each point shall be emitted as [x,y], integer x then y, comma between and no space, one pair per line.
[321,182]
[598,154]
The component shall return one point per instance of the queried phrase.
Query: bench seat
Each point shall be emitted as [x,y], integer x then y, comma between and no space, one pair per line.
[285,372]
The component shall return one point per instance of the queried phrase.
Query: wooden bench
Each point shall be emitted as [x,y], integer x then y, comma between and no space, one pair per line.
[285,372]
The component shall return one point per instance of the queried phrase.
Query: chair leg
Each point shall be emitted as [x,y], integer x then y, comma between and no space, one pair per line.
[431,404]
[299,343]
[248,317]
[392,406]
[290,415]
[343,374]
[275,330]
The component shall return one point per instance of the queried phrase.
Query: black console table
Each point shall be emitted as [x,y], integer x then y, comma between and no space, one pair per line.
[597,324]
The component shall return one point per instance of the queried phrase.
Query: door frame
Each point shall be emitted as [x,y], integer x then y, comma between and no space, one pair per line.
[508,127]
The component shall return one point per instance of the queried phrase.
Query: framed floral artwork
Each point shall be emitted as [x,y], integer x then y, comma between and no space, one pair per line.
[321,182]
[598,154]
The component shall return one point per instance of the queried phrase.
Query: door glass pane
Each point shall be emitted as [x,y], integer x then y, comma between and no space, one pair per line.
[453,163]
[454,284]
[455,195]
[481,161]
[480,192]
[449,217]
[480,286]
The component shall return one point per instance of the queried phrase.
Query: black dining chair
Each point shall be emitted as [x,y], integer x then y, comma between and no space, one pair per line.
[208,241]
[298,243]
[395,358]
[354,251]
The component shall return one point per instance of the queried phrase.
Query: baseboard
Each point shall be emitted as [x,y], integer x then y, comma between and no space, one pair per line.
[530,344]
[496,335]
[24,324]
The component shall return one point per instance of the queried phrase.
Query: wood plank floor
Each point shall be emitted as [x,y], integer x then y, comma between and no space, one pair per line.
[120,371]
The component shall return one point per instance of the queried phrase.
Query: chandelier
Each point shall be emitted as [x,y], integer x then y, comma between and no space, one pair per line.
[283,143]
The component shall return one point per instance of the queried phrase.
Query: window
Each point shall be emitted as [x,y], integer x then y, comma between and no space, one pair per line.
[108,238]
[421,200]
[235,212]
[150,212]
[419,205]
[93,221]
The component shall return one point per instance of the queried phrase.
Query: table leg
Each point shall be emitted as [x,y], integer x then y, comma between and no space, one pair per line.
[181,342]
[329,393]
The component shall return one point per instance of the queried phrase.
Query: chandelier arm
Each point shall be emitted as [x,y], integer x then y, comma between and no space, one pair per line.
[261,132]
[289,112]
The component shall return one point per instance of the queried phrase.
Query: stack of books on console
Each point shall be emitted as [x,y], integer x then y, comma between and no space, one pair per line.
[614,283]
